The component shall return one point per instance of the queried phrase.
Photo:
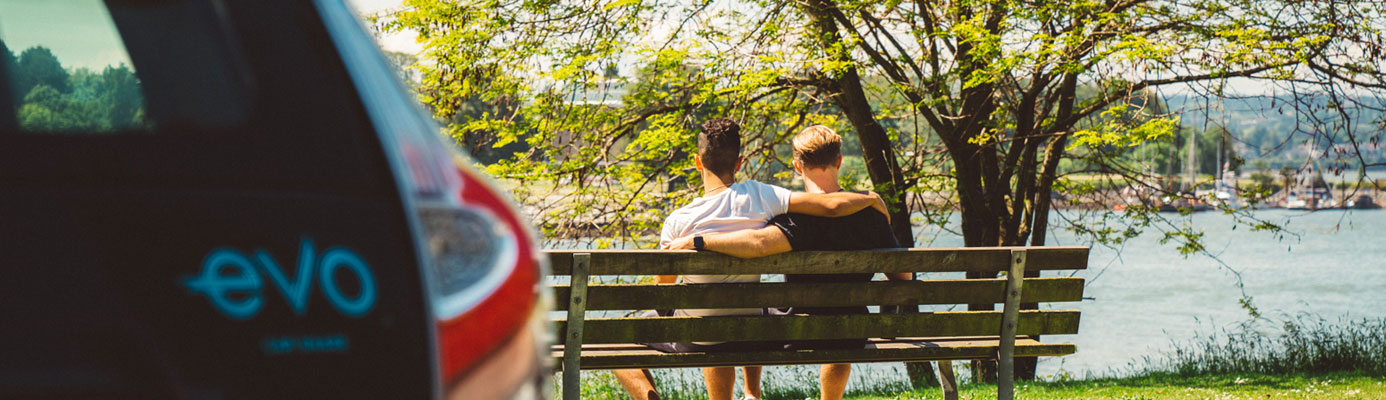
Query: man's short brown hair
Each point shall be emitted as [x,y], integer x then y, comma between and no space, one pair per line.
[817,147]
[719,145]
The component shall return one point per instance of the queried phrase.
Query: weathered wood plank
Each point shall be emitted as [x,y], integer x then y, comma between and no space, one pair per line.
[872,342]
[800,327]
[572,359]
[1005,382]
[756,295]
[637,348]
[674,262]
[639,357]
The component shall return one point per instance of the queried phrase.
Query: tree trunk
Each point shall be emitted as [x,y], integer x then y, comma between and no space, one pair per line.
[980,229]
[887,178]
[980,194]
[1042,202]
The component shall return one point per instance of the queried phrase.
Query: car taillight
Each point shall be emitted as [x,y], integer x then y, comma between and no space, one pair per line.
[486,274]
[479,261]
[469,251]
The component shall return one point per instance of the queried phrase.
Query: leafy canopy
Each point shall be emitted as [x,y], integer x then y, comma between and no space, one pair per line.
[987,107]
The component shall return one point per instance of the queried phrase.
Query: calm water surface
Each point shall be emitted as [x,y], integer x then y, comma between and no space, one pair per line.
[1145,295]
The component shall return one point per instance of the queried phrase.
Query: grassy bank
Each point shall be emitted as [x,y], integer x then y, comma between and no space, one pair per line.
[1291,344]
[1337,385]
[1341,385]
[1299,357]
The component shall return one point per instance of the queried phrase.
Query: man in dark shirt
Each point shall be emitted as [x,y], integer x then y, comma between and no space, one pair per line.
[859,231]
[817,156]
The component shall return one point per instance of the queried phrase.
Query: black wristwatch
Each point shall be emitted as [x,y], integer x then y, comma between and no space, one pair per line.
[698,243]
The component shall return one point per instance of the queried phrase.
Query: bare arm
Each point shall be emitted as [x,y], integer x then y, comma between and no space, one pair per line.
[666,278]
[746,243]
[835,204]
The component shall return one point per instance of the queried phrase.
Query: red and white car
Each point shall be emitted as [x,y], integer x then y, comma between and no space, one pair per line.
[240,200]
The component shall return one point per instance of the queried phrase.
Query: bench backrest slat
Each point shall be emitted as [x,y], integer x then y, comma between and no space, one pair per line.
[979,350]
[798,327]
[674,262]
[757,295]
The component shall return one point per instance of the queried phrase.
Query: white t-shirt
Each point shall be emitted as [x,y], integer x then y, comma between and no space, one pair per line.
[743,205]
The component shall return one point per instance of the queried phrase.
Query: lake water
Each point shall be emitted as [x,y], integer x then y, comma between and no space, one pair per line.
[1144,295]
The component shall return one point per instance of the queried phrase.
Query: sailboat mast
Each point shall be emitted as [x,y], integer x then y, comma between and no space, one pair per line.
[1189,163]
[1222,141]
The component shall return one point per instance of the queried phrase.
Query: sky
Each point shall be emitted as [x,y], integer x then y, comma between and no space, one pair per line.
[81,35]
[79,32]
[404,43]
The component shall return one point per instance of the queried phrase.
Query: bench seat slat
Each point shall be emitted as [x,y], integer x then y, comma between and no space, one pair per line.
[637,356]
[799,327]
[674,262]
[757,295]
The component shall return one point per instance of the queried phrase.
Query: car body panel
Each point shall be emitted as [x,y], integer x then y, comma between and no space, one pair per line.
[272,249]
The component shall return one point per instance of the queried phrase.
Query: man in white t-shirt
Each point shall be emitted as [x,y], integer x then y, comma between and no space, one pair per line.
[726,206]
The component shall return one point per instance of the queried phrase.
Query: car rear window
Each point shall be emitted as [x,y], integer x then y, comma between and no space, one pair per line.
[69,72]
[179,93]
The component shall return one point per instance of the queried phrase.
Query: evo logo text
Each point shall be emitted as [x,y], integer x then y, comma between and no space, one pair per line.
[232,281]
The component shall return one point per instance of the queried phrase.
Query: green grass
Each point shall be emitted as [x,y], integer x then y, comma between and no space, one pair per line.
[1300,357]
[1343,385]
[787,382]
[1338,385]
[1303,343]
[1334,385]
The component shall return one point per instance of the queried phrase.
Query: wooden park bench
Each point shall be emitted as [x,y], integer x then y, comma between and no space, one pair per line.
[613,343]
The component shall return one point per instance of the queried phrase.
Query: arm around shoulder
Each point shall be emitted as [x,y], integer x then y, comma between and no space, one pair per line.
[834,204]
[748,243]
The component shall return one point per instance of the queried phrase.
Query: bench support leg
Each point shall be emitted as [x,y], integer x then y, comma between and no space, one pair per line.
[572,345]
[947,380]
[1010,315]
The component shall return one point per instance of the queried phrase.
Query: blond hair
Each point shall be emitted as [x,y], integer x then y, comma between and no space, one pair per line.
[817,147]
